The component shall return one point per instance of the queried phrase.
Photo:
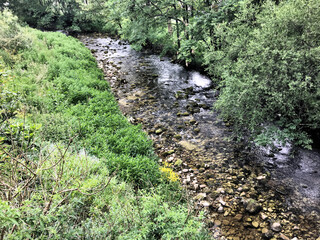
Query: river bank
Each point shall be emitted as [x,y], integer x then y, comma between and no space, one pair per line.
[242,196]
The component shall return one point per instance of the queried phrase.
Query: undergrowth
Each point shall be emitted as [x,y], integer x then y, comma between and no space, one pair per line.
[72,166]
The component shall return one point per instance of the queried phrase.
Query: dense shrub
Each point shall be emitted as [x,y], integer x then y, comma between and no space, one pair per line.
[70,15]
[269,65]
[11,34]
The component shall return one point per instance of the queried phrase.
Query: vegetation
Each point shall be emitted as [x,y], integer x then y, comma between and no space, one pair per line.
[268,64]
[263,55]
[73,16]
[71,166]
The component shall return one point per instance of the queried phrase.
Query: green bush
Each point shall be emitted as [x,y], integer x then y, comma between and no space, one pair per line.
[11,34]
[269,64]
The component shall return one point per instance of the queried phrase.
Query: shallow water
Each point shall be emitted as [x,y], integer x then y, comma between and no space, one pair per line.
[174,106]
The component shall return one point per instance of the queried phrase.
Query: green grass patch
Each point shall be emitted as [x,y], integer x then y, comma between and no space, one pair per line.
[71,165]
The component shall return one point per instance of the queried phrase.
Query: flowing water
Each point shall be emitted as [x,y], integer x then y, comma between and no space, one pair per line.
[174,107]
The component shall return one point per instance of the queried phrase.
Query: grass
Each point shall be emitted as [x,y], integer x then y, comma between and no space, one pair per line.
[72,166]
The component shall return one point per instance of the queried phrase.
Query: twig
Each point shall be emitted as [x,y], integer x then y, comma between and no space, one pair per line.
[13,158]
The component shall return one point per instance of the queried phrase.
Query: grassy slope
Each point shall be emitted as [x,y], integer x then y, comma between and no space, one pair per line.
[74,167]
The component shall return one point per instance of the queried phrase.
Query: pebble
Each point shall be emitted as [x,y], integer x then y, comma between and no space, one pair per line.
[261,177]
[276,227]
[205,203]
[188,179]
[225,222]
[263,216]
[200,196]
[220,209]
[158,131]
[238,217]
[255,224]
[217,223]
[223,203]
[252,206]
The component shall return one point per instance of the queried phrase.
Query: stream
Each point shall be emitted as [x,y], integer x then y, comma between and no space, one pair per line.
[247,194]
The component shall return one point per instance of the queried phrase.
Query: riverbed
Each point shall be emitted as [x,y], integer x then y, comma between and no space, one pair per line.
[247,193]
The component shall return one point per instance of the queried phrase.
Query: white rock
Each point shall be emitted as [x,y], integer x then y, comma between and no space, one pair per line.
[205,203]
[220,209]
[223,203]
[276,227]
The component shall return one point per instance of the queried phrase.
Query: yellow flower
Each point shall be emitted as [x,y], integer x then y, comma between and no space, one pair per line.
[169,173]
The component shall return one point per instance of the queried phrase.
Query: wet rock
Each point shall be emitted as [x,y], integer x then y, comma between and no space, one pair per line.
[252,206]
[276,227]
